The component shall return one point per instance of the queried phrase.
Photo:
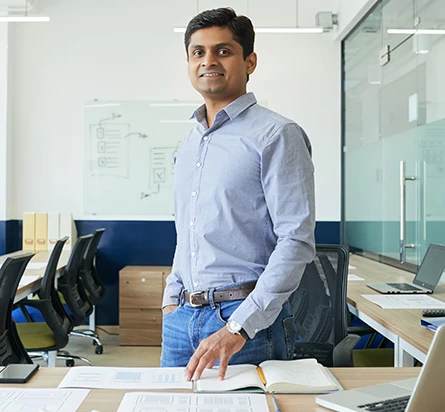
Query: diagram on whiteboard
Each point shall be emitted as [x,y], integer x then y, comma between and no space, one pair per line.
[130,149]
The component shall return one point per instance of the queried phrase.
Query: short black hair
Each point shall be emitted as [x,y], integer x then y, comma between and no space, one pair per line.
[240,26]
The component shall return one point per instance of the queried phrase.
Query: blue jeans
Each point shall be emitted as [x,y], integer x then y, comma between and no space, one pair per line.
[185,327]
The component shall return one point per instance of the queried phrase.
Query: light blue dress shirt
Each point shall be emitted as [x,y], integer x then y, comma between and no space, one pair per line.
[244,209]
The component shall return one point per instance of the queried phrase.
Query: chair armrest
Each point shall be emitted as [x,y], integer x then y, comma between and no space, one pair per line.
[342,354]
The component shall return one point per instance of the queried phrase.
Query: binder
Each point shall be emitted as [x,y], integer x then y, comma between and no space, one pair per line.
[67,228]
[29,232]
[53,229]
[41,232]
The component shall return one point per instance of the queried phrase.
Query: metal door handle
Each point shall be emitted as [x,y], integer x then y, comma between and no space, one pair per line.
[403,245]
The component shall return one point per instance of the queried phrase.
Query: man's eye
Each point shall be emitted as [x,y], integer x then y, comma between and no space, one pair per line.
[197,53]
[223,52]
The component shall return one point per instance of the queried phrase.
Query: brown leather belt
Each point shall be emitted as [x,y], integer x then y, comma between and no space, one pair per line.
[203,297]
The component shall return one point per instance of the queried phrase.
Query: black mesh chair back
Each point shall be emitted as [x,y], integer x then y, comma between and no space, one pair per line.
[70,286]
[320,309]
[49,305]
[11,348]
[88,273]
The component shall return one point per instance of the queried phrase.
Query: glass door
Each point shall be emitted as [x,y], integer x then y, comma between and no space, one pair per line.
[399,96]
[430,49]
[394,131]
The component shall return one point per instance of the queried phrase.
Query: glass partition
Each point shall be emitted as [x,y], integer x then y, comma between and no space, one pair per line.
[394,131]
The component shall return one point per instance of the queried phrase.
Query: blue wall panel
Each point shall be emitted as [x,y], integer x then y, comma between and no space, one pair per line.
[132,243]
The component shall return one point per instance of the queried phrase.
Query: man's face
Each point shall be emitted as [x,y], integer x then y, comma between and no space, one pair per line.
[216,66]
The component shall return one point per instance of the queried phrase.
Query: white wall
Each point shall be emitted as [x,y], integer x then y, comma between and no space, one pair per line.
[3,119]
[125,49]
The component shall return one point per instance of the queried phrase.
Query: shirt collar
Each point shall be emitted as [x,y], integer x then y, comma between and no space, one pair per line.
[232,110]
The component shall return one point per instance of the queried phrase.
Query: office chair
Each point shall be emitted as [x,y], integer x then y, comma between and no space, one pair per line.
[93,287]
[320,309]
[11,347]
[71,288]
[46,339]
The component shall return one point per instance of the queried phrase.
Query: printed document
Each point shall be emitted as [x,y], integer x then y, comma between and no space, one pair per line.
[30,399]
[192,402]
[102,377]
[405,301]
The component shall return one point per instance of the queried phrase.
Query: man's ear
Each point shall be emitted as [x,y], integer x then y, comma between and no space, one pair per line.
[251,61]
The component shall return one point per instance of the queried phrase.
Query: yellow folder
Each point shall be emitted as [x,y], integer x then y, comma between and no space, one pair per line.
[41,232]
[29,232]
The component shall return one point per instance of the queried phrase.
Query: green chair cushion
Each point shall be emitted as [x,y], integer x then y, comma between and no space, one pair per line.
[373,357]
[36,336]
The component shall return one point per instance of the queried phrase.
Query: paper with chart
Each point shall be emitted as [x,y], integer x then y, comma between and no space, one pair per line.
[405,301]
[192,402]
[102,377]
[34,400]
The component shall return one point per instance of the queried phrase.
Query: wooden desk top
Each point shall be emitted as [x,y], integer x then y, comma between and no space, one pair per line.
[403,322]
[40,257]
[106,400]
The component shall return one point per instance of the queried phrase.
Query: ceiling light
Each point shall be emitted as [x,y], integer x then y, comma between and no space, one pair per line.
[23,19]
[416,31]
[325,20]
[12,14]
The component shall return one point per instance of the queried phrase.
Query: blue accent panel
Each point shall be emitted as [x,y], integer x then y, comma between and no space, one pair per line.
[10,236]
[327,233]
[2,237]
[133,243]
[127,243]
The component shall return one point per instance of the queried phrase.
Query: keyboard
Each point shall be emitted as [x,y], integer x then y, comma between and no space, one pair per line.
[396,404]
[403,286]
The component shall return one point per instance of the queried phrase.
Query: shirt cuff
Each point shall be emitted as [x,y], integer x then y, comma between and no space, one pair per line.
[250,318]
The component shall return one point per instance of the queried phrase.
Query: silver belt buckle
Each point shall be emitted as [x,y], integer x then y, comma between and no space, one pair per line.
[192,295]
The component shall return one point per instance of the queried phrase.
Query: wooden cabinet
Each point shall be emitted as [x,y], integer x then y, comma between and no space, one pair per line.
[140,299]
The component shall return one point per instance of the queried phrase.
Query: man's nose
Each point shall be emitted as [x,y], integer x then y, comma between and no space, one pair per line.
[210,59]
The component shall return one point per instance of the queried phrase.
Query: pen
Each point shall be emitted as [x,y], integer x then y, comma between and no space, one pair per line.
[261,373]
[275,404]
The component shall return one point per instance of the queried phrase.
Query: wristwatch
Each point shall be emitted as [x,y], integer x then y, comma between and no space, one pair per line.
[236,329]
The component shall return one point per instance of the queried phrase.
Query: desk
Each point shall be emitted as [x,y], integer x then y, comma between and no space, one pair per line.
[40,257]
[107,400]
[400,326]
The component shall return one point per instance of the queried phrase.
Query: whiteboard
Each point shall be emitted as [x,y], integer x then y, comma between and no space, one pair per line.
[129,151]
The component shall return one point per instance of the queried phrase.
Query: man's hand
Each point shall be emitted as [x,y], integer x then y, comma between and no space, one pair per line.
[168,308]
[221,345]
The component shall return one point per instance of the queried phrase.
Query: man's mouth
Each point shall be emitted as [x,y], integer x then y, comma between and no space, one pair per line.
[213,74]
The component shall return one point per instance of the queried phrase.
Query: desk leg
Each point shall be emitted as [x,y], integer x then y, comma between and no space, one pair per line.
[52,356]
[92,320]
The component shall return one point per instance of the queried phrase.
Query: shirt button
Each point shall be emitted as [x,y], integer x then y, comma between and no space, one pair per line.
[193,254]
[191,223]
[205,138]
[198,164]
[195,284]
[194,194]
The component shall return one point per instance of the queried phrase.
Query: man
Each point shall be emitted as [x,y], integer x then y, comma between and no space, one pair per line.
[244,211]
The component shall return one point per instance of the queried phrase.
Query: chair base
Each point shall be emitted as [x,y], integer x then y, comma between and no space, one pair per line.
[68,357]
[90,334]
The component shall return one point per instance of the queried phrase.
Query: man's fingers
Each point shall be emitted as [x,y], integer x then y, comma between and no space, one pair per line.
[222,368]
[191,366]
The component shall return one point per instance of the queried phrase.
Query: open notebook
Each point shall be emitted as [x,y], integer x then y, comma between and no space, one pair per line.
[425,393]
[427,277]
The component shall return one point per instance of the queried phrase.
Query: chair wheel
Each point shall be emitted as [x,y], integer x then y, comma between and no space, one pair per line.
[69,362]
[99,349]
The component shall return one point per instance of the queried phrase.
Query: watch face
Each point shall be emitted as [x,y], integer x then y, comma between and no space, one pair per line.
[233,327]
